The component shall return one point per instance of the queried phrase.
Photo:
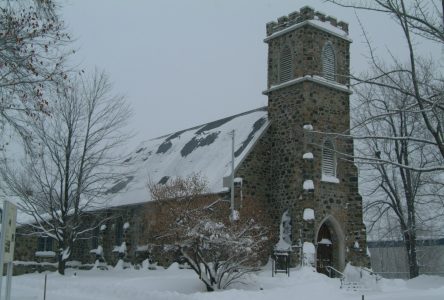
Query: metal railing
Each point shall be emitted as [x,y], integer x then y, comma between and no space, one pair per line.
[332,270]
[376,275]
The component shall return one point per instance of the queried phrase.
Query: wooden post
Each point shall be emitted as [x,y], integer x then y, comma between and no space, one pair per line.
[44,289]
[9,280]
[232,176]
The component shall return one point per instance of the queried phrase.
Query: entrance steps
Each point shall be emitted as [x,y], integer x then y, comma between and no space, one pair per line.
[357,279]
[352,286]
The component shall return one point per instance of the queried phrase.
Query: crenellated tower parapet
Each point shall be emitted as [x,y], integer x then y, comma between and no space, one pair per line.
[305,14]
[311,176]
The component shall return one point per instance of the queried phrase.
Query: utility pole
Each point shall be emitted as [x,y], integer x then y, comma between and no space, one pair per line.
[232,176]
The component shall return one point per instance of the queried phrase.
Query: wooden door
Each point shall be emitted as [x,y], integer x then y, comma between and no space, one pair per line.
[324,256]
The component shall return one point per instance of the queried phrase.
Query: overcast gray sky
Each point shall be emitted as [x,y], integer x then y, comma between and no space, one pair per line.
[183,63]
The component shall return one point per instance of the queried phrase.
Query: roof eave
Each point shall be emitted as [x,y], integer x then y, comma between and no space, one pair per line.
[304,23]
[224,179]
[315,79]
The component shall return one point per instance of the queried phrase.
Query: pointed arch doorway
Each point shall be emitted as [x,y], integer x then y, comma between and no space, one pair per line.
[324,255]
[330,250]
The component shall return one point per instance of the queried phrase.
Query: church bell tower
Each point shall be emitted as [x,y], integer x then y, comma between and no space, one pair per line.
[313,177]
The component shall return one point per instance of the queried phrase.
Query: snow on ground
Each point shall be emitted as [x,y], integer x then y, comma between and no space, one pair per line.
[178,284]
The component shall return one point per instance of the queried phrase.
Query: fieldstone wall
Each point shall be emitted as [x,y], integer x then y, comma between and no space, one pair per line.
[306,44]
[132,234]
[324,106]
[255,171]
[103,233]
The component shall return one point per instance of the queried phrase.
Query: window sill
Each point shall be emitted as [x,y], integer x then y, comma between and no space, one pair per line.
[330,179]
[45,254]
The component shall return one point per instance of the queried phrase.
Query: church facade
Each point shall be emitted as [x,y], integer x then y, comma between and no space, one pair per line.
[293,156]
[310,167]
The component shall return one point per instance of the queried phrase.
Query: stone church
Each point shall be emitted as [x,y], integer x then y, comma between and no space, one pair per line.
[292,156]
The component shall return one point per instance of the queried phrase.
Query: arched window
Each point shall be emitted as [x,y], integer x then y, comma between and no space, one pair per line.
[119,232]
[328,159]
[285,65]
[328,62]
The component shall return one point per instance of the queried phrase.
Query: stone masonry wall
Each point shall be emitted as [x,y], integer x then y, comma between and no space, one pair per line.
[326,109]
[255,173]
[306,44]
[144,223]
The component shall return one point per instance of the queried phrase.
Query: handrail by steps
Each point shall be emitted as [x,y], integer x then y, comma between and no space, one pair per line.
[377,276]
[330,269]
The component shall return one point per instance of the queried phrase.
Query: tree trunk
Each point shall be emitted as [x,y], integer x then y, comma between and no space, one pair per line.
[410,245]
[62,260]
[413,263]
[61,265]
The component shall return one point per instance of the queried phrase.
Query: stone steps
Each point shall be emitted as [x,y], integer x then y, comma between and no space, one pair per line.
[352,286]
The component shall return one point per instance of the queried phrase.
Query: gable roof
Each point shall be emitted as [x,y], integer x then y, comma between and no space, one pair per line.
[203,149]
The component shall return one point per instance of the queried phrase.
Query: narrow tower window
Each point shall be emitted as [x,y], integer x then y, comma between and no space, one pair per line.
[285,64]
[119,232]
[328,159]
[328,62]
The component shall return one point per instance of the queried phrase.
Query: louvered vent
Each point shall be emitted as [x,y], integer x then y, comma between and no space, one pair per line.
[328,159]
[328,62]
[285,65]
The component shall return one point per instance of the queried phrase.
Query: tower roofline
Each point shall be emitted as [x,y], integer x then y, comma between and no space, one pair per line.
[307,16]
[313,78]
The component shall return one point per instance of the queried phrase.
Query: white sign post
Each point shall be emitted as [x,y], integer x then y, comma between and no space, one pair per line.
[7,243]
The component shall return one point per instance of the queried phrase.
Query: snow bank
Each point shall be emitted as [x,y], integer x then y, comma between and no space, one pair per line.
[234,215]
[178,284]
[282,246]
[45,254]
[142,248]
[97,251]
[308,250]
[363,276]
[308,214]
[325,241]
[308,185]
[121,265]
[307,155]
[120,249]
[331,179]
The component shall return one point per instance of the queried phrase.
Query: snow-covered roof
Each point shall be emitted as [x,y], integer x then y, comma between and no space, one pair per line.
[307,16]
[204,149]
[316,24]
[312,78]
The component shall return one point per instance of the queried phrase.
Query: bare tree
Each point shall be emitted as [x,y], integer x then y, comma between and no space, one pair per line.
[423,17]
[400,193]
[33,49]
[399,126]
[73,162]
[417,20]
[199,231]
